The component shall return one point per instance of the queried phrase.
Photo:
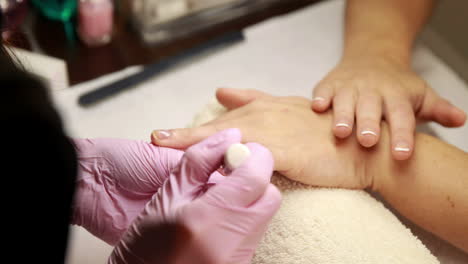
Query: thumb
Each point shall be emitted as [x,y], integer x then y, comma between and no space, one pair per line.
[438,109]
[246,183]
[202,159]
[234,98]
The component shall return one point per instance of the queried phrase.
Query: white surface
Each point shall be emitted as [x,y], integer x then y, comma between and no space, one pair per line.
[51,70]
[283,56]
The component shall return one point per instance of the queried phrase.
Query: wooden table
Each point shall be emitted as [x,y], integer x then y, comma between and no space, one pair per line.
[126,48]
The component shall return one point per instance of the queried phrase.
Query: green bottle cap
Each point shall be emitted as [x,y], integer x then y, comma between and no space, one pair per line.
[62,10]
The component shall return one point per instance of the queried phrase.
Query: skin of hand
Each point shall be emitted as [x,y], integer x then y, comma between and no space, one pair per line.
[429,188]
[367,89]
[374,79]
[224,220]
[116,178]
[302,144]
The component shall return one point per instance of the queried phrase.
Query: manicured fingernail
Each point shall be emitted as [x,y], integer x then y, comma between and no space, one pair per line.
[318,99]
[342,125]
[368,132]
[402,147]
[163,134]
[459,111]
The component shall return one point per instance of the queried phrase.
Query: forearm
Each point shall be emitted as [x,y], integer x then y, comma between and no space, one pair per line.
[430,189]
[384,27]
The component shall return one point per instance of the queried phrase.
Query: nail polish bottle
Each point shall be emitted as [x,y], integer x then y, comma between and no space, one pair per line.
[95,21]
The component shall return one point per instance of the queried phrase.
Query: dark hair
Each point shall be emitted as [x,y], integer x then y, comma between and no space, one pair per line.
[38,168]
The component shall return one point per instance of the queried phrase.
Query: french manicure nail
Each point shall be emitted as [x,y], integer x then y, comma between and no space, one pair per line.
[318,98]
[163,134]
[342,125]
[368,132]
[402,147]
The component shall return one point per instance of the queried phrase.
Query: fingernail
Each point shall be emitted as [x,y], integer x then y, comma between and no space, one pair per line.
[163,134]
[318,99]
[368,132]
[402,146]
[342,125]
[459,111]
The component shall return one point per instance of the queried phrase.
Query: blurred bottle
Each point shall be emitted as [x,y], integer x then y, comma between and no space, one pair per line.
[95,21]
[62,10]
[13,16]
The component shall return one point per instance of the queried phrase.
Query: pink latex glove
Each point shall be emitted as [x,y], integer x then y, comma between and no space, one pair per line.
[116,178]
[225,220]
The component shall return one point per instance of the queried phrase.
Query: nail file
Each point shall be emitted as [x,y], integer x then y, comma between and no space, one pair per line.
[236,155]
[151,71]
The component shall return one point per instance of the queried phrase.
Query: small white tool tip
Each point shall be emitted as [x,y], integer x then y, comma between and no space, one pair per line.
[236,155]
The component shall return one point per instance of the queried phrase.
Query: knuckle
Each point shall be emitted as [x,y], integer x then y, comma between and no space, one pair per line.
[369,121]
[342,112]
[400,110]
[259,104]
[369,97]
[402,128]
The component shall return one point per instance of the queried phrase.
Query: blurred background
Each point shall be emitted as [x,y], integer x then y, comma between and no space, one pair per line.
[447,34]
[97,37]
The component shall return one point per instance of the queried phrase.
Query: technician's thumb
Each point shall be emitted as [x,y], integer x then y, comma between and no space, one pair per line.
[246,182]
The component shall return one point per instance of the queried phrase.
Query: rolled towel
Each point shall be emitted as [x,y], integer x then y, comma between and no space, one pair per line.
[324,225]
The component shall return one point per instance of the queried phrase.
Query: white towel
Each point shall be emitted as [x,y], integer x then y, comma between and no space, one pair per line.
[322,225]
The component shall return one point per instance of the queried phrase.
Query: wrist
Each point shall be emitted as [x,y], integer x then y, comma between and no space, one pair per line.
[377,49]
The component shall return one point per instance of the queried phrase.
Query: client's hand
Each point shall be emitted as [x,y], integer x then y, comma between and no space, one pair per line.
[116,178]
[370,88]
[202,222]
[301,141]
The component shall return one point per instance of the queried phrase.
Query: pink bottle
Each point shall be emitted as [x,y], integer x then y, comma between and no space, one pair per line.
[95,20]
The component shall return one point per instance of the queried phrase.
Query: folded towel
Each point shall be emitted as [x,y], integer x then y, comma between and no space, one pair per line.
[323,225]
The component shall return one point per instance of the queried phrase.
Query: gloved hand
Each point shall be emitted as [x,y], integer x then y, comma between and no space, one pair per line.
[225,221]
[116,178]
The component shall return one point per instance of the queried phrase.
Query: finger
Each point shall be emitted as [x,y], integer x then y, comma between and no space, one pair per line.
[202,159]
[247,183]
[401,119]
[234,98]
[440,110]
[183,138]
[368,116]
[322,97]
[344,104]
